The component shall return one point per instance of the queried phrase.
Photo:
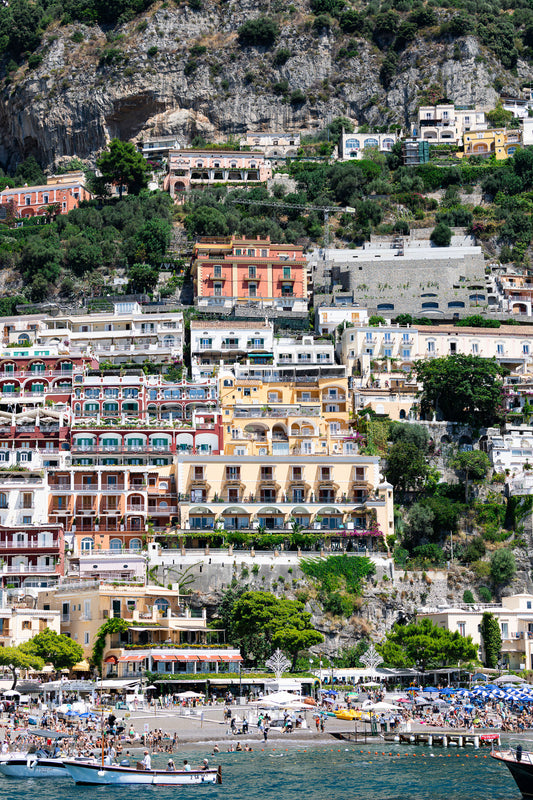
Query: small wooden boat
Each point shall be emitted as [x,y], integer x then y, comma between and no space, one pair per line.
[98,775]
[520,764]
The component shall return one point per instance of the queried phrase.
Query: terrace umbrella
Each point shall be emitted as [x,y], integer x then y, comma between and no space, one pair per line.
[430,689]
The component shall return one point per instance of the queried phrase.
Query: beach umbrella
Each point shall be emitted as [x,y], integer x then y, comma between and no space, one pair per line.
[430,689]
[510,679]
[382,706]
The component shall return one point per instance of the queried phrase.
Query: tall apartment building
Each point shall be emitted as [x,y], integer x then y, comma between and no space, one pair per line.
[111,508]
[445,123]
[229,271]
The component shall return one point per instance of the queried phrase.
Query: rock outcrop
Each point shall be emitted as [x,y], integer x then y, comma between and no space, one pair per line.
[143,79]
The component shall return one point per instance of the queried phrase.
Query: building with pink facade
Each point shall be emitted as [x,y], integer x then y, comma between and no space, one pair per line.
[32,201]
[188,168]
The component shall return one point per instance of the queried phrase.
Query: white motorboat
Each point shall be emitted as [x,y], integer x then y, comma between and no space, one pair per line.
[32,765]
[103,775]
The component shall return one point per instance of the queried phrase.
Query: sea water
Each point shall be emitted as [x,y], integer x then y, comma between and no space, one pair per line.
[336,771]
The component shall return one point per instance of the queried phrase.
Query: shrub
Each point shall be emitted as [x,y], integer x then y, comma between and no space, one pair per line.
[77,37]
[259,32]
[281,56]
[502,567]
[481,569]
[198,50]
[441,235]
[468,597]
[484,594]
[152,51]
[34,60]
[298,98]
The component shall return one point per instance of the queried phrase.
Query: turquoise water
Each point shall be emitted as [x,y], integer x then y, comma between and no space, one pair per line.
[338,772]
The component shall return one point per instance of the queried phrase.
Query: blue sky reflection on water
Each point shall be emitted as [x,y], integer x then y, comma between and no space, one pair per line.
[337,772]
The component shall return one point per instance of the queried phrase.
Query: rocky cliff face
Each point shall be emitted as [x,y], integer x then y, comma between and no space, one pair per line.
[143,80]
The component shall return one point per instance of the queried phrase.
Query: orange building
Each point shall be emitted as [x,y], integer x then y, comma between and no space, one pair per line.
[228,271]
[31,201]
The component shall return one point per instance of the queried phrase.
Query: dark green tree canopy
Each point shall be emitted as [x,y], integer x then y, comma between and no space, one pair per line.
[54,648]
[461,388]
[17,658]
[426,645]
[407,467]
[260,622]
[121,164]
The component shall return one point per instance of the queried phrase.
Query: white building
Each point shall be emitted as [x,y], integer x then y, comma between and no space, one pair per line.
[360,346]
[329,317]
[123,335]
[20,623]
[23,498]
[443,123]
[514,615]
[222,344]
[273,145]
[353,145]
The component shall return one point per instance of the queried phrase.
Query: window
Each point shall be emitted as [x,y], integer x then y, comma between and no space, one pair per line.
[431,346]
[475,348]
[205,344]
[525,349]
[387,352]
[505,630]
[286,273]
[406,354]
[233,473]
[217,288]
[266,473]
[198,473]
[26,520]
[499,349]
[26,625]
[111,393]
[217,271]
[45,198]
[387,337]
[252,290]
[297,473]
[252,272]
[325,473]
[461,628]
[131,392]
[3,500]
[86,638]
[27,500]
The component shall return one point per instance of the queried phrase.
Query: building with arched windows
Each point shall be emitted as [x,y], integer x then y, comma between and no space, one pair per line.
[189,168]
[353,145]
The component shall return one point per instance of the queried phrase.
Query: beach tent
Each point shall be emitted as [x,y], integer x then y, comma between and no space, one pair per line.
[189,695]
[510,679]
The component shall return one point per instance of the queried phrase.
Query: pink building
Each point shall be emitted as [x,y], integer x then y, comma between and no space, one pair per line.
[31,201]
[187,168]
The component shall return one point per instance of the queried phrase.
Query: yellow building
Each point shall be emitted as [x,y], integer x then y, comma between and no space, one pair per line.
[157,615]
[271,417]
[498,141]
[341,496]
